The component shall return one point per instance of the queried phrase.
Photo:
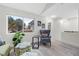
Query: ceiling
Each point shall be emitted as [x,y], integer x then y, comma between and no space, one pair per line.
[36,8]
[47,9]
[64,10]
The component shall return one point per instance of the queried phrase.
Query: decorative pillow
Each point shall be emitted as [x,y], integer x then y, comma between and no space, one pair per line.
[44,34]
[23,45]
[1,41]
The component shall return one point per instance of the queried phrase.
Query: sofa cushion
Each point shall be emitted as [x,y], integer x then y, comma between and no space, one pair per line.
[23,45]
[4,49]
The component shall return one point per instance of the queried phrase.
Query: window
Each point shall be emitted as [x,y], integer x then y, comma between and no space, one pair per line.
[21,24]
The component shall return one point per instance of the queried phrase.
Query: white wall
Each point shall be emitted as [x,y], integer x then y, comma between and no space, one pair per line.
[49,20]
[70,38]
[69,24]
[59,25]
[9,11]
[69,13]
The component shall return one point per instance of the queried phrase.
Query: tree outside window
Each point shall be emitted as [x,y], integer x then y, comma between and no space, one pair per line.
[16,23]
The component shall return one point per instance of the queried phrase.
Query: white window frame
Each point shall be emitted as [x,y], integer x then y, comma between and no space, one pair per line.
[7,24]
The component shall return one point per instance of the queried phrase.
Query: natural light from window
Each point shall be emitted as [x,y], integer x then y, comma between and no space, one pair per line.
[21,24]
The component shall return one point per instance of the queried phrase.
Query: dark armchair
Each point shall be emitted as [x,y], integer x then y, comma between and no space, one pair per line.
[45,37]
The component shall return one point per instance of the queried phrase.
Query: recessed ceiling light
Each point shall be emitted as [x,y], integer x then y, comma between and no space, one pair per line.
[61,21]
[53,16]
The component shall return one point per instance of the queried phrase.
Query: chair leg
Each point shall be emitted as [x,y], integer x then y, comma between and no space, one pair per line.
[50,43]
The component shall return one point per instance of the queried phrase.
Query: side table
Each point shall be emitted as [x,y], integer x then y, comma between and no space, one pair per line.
[35,45]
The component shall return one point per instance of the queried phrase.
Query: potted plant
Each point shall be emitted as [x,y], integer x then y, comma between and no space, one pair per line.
[17,38]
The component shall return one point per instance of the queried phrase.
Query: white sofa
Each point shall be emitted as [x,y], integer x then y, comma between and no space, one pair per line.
[22,48]
[5,50]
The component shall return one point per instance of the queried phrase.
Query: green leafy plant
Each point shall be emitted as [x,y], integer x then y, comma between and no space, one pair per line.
[17,38]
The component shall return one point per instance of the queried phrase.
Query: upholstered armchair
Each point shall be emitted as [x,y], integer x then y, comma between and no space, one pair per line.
[45,37]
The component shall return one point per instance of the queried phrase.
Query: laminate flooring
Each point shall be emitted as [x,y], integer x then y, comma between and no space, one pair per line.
[59,49]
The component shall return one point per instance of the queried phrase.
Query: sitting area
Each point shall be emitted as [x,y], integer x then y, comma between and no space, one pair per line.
[25,48]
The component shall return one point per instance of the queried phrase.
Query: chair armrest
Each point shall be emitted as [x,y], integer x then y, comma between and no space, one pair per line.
[49,36]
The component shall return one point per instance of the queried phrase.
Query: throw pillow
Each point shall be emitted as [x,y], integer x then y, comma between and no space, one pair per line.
[1,41]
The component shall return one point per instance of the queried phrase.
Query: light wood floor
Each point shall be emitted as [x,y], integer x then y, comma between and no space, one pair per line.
[59,49]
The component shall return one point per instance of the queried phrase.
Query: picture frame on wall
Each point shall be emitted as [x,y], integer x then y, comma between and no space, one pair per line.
[39,23]
[43,25]
[49,26]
